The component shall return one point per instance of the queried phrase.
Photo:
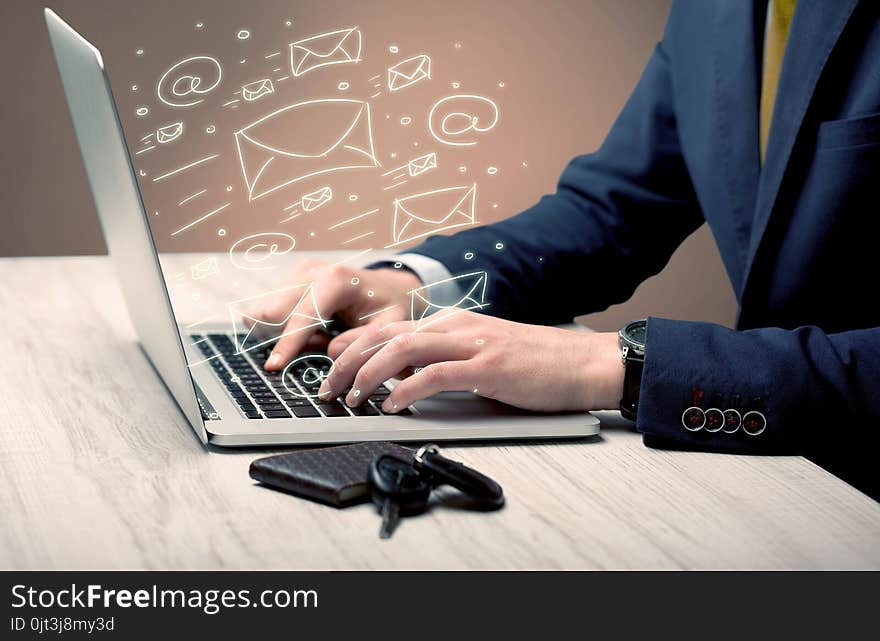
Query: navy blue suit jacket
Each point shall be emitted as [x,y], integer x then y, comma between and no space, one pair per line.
[798,235]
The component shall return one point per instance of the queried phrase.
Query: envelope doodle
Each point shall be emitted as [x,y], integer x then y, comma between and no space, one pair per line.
[304,140]
[259,333]
[420,165]
[169,133]
[257,89]
[409,72]
[473,285]
[316,199]
[205,268]
[434,211]
[334,48]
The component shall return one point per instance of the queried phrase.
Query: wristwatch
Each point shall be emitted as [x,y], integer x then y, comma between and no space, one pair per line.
[632,345]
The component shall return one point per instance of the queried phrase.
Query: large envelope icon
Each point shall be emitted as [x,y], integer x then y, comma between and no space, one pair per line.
[169,133]
[257,89]
[319,198]
[304,307]
[304,140]
[431,212]
[409,72]
[473,289]
[334,48]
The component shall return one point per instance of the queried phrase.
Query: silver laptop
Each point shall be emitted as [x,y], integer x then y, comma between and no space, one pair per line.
[232,401]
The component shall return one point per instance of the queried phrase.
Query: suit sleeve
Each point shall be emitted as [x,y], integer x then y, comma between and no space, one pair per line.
[616,218]
[804,382]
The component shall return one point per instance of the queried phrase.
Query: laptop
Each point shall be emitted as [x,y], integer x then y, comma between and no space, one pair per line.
[224,392]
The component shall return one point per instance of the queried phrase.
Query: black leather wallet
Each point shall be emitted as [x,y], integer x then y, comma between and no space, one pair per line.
[333,475]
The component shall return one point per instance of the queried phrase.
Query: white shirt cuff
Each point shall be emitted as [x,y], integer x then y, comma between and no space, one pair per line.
[446,291]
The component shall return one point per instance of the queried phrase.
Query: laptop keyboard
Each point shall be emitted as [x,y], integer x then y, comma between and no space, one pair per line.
[260,394]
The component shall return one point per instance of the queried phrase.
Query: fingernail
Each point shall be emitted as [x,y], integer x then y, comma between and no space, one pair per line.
[328,393]
[273,361]
[388,407]
[324,388]
[352,398]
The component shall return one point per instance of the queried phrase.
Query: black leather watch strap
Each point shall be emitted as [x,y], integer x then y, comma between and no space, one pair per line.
[632,383]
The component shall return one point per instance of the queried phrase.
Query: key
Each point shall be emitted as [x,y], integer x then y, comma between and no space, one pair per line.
[438,470]
[397,489]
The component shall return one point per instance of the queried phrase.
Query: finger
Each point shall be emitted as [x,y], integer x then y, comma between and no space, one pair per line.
[358,352]
[346,338]
[415,350]
[317,342]
[457,376]
[327,298]
[443,320]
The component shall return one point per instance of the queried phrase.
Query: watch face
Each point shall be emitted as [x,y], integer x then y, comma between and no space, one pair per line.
[636,332]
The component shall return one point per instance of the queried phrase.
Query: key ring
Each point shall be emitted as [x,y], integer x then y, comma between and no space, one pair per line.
[424,449]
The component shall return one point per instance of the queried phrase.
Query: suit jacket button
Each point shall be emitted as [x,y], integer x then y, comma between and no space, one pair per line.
[732,421]
[693,419]
[753,423]
[714,419]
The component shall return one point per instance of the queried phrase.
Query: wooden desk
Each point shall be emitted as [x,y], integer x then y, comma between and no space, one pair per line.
[98,469]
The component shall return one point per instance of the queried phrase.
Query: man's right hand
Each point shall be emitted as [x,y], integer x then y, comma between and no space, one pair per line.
[359,297]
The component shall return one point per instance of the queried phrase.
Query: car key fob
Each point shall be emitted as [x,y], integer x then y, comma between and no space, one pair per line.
[443,471]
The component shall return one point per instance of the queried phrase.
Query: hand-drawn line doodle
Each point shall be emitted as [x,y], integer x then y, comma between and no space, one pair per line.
[431,212]
[316,199]
[169,133]
[195,163]
[191,197]
[205,268]
[306,373]
[424,313]
[333,48]
[351,240]
[474,284]
[262,332]
[408,72]
[273,152]
[257,89]
[351,220]
[186,82]
[258,252]
[416,166]
[456,119]
[201,218]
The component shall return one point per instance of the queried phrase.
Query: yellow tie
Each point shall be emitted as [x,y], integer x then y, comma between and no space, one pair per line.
[778,23]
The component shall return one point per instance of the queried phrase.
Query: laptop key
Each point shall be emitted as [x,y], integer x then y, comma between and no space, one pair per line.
[254,414]
[364,410]
[333,409]
[277,414]
[306,411]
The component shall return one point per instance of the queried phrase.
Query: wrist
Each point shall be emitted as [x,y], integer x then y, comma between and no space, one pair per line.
[402,280]
[604,374]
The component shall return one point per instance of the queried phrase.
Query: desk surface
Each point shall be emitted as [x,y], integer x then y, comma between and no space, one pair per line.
[98,469]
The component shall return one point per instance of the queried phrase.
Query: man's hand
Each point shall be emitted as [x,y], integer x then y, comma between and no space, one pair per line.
[533,367]
[359,297]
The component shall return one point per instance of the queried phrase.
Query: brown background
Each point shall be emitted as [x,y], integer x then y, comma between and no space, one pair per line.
[559,71]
